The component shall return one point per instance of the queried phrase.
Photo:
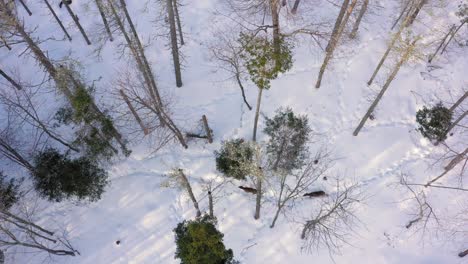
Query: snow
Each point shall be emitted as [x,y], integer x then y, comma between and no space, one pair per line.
[136,210]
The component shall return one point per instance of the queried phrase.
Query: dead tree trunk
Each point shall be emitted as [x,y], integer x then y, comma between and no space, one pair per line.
[453,35]
[210,204]
[431,57]
[258,200]
[402,13]
[387,52]
[296,5]
[9,152]
[403,59]
[334,42]
[338,21]
[359,18]
[179,24]
[207,129]
[104,19]
[463,253]
[257,114]
[455,123]
[77,22]
[25,7]
[416,11]
[238,79]
[187,186]
[459,101]
[174,45]
[10,80]
[5,43]
[134,113]
[58,20]
[274,8]
[454,162]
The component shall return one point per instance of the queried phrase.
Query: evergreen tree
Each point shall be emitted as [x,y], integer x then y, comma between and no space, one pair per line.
[8,192]
[232,158]
[434,122]
[58,177]
[198,241]
[289,133]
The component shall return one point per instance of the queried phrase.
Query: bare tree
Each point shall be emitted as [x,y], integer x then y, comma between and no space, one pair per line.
[293,186]
[362,12]
[177,178]
[174,44]
[418,5]
[408,53]
[432,56]
[10,80]
[331,226]
[25,7]
[58,20]
[104,19]
[457,158]
[179,23]
[338,23]
[296,5]
[335,38]
[77,22]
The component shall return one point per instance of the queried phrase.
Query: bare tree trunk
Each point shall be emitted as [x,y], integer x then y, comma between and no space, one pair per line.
[26,7]
[5,43]
[450,166]
[403,59]
[257,114]
[58,20]
[8,151]
[189,191]
[179,24]
[387,52]
[463,253]
[134,112]
[334,42]
[338,21]
[274,8]
[402,13]
[275,218]
[210,203]
[10,80]
[77,22]
[416,12]
[296,5]
[258,202]
[459,101]
[453,35]
[455,123]
[104,19]
[431,57]
[242,90]
[174,45]
[207,129]
[358,20]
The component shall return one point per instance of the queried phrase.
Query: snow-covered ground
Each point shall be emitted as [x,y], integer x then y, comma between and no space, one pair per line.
[138,211]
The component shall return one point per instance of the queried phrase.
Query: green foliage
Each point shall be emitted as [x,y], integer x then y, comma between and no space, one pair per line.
[82,106]
[199,242]
[232,158]
[9,191]
[58,177]
[261,60]
[289,133]
[434,122]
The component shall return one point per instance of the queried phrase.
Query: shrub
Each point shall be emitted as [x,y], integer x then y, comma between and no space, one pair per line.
[434,122]
[58,177]
[198,241]
[9,191]
[232,158]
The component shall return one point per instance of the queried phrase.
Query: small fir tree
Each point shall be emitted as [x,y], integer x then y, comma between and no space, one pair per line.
[434,122]
[58,177]
[288,134]
[9,192]
[232,158]
[198,241]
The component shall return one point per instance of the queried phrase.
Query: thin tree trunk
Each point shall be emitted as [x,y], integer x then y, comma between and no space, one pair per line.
[358,20]
[463,253]
[274,6]
[431,57]
[58,20]
[179,24]
[455,123]
[134,112]
[334,42]
[453,35]
[5,43]
[26,7]
[450,166]
[242,91]
[77,22]
[210,203]
[387,52]
[104,19]
[10,80]
[275,218]
[207,129]
[296,5]
[401,14]
[190,192]
[258,202]
[338,22]
[14,156]
[392,76]
[257,114]
[174,45]
[416,12]
[459,101]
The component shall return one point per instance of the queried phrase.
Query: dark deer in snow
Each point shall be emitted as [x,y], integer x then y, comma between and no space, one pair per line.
[248,189]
